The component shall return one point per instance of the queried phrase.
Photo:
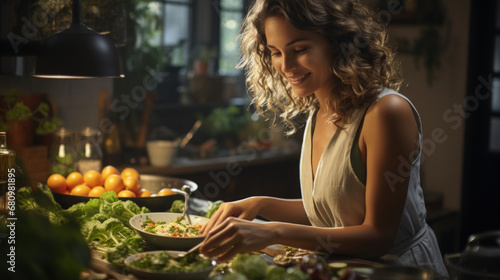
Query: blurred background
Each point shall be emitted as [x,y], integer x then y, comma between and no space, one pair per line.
[179,59]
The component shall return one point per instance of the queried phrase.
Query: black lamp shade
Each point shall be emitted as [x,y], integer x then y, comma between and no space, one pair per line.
[78,52]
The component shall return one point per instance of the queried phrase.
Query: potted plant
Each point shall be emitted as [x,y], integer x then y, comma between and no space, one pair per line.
[19,115]
[202,60]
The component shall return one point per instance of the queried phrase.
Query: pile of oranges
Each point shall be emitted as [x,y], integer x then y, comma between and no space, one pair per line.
[93,183]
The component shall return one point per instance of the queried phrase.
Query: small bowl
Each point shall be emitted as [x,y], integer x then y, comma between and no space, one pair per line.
[167,242]
[161,153]
[153,183]
[151,274]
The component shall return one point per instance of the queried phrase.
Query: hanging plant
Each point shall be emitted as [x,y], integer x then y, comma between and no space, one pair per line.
[429,48]
[430,45]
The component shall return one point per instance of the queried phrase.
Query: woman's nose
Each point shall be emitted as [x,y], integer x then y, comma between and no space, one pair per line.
[289,63]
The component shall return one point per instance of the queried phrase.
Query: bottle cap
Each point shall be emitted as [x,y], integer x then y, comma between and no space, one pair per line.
[63,132]
[89,131]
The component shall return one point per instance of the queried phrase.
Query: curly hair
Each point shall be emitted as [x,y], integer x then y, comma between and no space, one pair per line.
[363,64]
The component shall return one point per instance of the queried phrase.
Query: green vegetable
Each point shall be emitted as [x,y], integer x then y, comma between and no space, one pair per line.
[177,206]
[164,262]
[40,202]
[215,206]
[274,272]
[47,245]
[252,266]
[294,273]
[104,223]
[230,276]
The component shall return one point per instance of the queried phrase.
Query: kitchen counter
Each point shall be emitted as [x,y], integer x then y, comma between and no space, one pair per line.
[185,165]
[272,173]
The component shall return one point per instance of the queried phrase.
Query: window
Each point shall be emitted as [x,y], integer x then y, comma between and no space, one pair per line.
[231,15]
[494,141]
[176,29]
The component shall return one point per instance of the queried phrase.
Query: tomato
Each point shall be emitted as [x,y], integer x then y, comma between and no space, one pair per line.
[74,179]
[114,183]
[108,170]
[97,191]
[92,178]
[126,193]
[80,190]
[57,183]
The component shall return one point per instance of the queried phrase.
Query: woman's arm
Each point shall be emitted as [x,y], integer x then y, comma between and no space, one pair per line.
[387,137]
[270,208]
[283,210]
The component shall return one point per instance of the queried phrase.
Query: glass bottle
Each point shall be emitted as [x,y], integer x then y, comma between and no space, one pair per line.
[62,154]
[7,174]
[89,151]
[112,146]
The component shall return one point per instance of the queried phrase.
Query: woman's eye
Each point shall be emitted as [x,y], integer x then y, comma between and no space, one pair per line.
[275,53]
[301,50]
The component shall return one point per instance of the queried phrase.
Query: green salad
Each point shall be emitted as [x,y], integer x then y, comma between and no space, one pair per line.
[165,262]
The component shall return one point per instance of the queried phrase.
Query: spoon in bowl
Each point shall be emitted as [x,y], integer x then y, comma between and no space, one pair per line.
[185,191]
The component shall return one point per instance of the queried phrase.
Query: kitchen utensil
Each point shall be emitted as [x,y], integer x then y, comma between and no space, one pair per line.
[192,250]
[480,259]
[185,192]
[190,134]
[167,242]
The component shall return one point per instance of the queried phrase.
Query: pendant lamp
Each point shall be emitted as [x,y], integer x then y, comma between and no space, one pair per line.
[78,52]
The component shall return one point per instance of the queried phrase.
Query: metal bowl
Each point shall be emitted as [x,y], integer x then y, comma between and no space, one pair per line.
[153,183]
[460,272]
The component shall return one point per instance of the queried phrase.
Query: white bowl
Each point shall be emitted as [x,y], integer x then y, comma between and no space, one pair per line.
[161,152]
[167,242]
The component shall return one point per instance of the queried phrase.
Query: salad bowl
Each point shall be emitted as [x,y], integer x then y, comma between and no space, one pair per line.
[148,269]
[167,242]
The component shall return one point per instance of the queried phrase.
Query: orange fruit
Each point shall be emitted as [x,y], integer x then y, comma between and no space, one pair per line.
[57,183]
[126,193]
[165,191]
[114,183]
[97,191]
[130,172]
[74,179]
[108,170]
[144,193]
[80,190]
[132,184]
[92,178]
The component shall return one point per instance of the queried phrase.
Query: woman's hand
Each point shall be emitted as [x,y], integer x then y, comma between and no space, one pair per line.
[244,209]
[234,236]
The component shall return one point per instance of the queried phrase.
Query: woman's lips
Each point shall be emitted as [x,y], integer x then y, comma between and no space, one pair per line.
[297,80]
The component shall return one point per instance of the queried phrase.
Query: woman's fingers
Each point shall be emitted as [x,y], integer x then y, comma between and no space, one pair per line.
[216,240]
[209,225]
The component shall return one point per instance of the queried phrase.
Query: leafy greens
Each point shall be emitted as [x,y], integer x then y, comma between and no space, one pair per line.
[104,223]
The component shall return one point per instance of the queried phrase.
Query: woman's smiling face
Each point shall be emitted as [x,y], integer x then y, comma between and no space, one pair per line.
[304,58]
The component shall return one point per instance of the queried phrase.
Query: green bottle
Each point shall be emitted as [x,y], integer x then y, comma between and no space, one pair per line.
[7,176]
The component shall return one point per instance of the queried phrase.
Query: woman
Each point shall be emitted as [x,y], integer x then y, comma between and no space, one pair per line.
[360,158]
